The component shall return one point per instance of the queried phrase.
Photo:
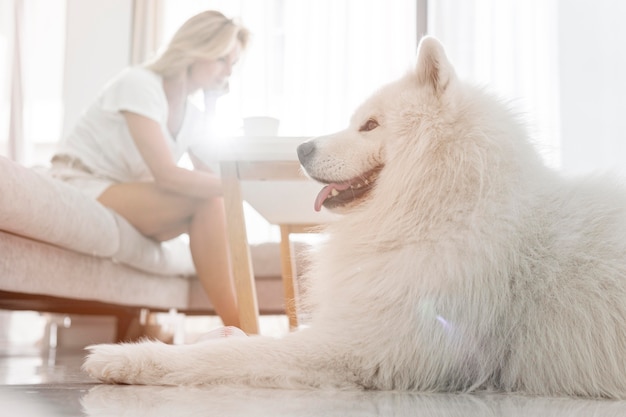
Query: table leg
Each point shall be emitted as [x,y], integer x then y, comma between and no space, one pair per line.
[239,249]
[287,269]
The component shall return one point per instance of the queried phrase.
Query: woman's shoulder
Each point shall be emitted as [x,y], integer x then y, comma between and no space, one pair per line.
[137,89]
[137,82]
[137,76]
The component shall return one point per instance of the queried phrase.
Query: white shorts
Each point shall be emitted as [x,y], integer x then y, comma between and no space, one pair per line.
[73,172]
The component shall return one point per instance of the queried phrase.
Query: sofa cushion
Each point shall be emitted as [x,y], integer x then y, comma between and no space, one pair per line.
[33,267]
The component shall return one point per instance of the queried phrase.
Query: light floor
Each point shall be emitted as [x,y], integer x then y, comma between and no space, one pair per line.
[37,383]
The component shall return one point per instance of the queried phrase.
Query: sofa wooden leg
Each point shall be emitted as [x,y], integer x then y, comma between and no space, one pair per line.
[128,324]
[141,324]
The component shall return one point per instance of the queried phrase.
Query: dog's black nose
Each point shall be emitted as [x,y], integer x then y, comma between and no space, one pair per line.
[305,151]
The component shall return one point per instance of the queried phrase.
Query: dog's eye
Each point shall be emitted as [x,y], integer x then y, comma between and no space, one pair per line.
[371,124]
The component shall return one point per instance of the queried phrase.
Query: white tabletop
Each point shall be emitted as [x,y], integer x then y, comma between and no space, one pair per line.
[259,148]
[279,201]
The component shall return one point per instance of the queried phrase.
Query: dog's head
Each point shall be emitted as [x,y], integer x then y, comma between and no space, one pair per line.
[350,162]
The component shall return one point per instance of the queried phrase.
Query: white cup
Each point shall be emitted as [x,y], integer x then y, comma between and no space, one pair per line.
[260,126]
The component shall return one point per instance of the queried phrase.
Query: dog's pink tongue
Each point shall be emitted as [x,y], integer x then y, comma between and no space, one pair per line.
[323,195]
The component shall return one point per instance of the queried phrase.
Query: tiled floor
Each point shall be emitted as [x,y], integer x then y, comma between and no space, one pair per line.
[33,384]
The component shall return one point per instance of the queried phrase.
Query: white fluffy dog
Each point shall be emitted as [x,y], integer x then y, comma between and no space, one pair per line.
[461,263]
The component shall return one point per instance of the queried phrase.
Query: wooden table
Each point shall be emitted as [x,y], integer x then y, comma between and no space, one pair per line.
[265,172]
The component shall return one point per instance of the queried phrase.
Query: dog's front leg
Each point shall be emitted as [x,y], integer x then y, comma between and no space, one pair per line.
[299,360]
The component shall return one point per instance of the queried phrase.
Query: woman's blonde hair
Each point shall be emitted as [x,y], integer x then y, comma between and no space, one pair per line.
[207,35]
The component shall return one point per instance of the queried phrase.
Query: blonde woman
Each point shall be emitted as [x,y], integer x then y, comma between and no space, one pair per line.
[124,149]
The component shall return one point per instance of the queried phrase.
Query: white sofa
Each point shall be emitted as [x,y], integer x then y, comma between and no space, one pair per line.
[62,252]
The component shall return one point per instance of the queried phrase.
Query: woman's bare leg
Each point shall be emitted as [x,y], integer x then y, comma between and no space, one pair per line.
[209,249]
[157,214]
[163,215]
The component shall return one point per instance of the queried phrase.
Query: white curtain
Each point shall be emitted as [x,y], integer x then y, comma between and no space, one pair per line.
[512,47]
[146,29]
[10,120]
[17,146]
[32,38]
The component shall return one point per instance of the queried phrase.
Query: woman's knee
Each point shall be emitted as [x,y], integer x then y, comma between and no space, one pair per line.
[209,214]
[213,207]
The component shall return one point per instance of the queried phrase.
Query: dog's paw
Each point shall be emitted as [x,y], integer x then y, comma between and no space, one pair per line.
[125,363]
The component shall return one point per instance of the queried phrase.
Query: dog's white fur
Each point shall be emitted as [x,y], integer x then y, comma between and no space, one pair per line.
[469,265]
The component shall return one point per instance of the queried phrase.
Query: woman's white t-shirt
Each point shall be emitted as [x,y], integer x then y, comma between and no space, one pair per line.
[101,139]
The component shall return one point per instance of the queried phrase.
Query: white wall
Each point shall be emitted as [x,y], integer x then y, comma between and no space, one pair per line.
[97,47]
[592,39]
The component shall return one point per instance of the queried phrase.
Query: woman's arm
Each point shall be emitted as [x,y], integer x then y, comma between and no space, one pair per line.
[153,147]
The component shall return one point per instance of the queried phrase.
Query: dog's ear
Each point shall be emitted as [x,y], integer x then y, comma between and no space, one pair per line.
[433,68]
